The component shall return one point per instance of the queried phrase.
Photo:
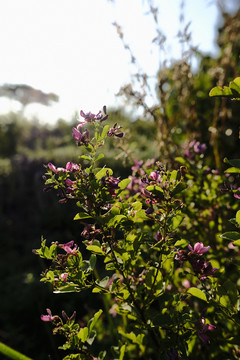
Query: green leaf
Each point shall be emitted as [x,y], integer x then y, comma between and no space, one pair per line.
[233,91]
[67,289]
[47,252]
[122,254]
[233,170]
[92,322]
[136,339]
[181,243]
[122,352]
[181,160]
[103,172]
[11,353]
[234,86]
[175,221]
[95,249]
[85,157]
[139,216]
[237,242]
[115,220]
[110,266]
[197,293]
[221,91]
[174,175]
[231,235]
[88,147]
[81,215]
[233,162]
[100,156]
[83,334]
[124,183]
[156,190]
[228,293]
[238,217]
[92,261]
[178,188]
[103,283]
[104,132]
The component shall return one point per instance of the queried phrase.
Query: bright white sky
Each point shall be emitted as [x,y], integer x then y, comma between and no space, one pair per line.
[71,48]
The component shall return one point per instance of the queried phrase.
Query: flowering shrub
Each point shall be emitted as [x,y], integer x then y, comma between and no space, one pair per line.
[150,248]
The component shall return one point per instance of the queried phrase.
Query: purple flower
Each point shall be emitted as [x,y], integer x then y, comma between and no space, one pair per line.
[202,268]
[69,182]
[199,148]
[70,166]
[112,311]
[90,117]
[68,247]
[158,236]
[114,131]
[63,277]
[138,167]
[54,169]
[193,148]
[135,185]
[203,328]
[207,270]
[237,193]
[155,175]
[198,249]
[80,137]
[49,316]
[111,183]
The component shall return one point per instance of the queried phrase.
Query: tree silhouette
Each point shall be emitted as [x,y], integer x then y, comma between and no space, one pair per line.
[26,94]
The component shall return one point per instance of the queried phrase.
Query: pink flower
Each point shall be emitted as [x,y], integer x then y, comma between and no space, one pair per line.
[186,283]
[90,117]
[155,175]
[198,248]
[237,193]
[112,311]
[68,247]
[54,169]
[203,328]
[70,166]
[49,317]
[81,137]
[69,182]
[63,276]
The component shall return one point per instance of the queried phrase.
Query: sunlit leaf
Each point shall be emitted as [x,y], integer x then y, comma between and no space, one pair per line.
[81,215]
[83,334]
[197,293]
[95,249]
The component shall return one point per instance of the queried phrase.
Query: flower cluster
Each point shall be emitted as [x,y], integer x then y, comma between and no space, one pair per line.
[90,117]
[70,167]
[201,268]
[111,183]
[194,148]
[83,137]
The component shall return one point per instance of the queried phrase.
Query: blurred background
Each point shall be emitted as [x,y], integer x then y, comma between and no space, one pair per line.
[153,64]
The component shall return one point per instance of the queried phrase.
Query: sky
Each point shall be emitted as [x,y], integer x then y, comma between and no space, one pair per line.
[71,48]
